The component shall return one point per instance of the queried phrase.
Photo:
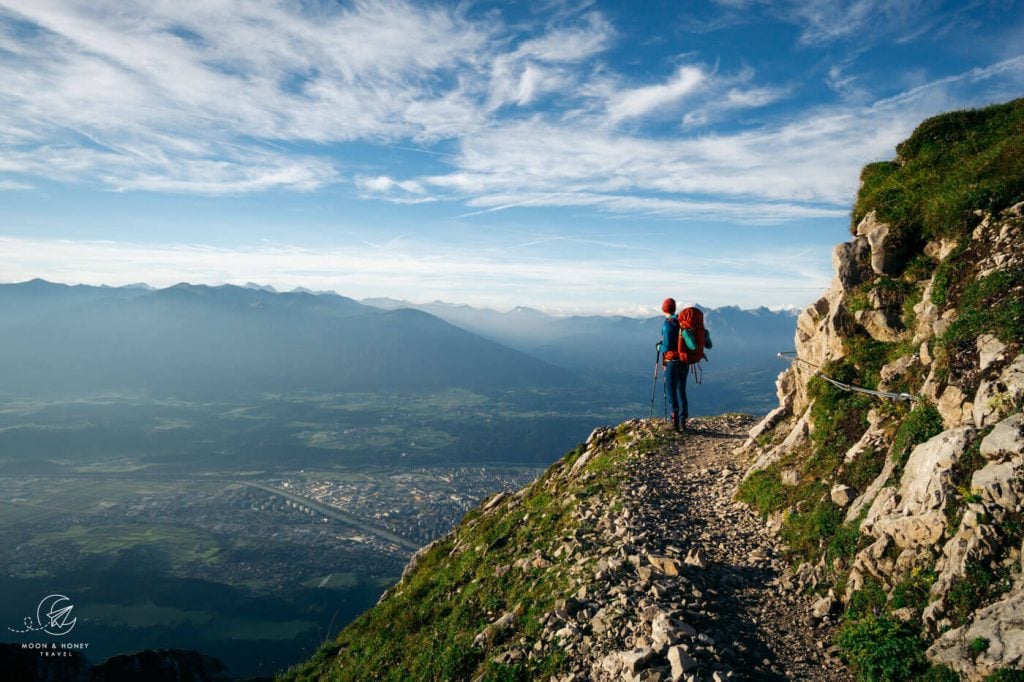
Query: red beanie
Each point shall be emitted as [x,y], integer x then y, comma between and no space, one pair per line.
[668,306]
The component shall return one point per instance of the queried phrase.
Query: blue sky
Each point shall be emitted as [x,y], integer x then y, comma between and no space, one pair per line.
[575,157]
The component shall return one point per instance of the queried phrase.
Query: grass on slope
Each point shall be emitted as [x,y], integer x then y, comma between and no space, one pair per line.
[425,627]
[952,165]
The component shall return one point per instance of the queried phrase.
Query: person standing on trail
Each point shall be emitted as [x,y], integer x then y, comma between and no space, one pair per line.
[675,369]
[683,340]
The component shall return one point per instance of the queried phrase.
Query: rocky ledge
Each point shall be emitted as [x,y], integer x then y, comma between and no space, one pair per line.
[687,584]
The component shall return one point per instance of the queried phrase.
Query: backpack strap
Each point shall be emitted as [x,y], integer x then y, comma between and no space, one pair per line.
[698,373]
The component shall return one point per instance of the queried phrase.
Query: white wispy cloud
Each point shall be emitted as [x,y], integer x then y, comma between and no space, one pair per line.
[825,21]
[480,276]
[640,101]
[136,90]
[389,189]
[806,167]
[231,97]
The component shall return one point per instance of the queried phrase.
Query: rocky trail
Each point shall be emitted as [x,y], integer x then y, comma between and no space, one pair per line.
[694,586]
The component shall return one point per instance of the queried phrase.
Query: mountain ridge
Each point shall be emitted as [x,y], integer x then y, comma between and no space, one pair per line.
[904,517]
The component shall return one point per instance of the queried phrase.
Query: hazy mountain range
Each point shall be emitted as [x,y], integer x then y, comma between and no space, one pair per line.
[196,341]
[617,353]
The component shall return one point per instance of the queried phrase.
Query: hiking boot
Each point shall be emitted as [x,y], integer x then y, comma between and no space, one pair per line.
[682,425]
[675,421]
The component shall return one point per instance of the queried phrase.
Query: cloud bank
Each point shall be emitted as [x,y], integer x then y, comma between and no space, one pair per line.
[232,97]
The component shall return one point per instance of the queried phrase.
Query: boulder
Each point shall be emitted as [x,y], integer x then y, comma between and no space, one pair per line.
[696,557]
[664,631]
[990,351]
[999,485]
[846,261]
[1002,624]
[769,422]
[887,257]
[824,606]
[925,354]
[842,495]
[1006,439]
[927,315]
[913,515]
[680,661]
[896,370]
[951,406]
[666,565]
[998,397]
[881,325]
[971,542]
[628,662]
[495,631]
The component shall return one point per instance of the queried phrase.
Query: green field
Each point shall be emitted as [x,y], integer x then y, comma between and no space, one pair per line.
[146,615]
[181,545]
[334,581]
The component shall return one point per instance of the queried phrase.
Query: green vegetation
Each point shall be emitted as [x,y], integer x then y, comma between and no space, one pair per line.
[952,165]
[994,305]
[920,424]
[912,591]
[861,472]
[978,646]
[940,673]
[1006,675]
[425,628]
[180,545]
[839,417]
[763,490]
[880,648]
[980,584]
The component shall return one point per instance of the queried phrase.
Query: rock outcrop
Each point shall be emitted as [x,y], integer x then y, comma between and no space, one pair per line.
[930,485]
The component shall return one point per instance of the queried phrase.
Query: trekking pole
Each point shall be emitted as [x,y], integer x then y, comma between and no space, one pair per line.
[654,386]
[664,394]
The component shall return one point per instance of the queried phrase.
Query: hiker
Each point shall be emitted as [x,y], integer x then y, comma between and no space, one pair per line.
[675,371]
[683,340]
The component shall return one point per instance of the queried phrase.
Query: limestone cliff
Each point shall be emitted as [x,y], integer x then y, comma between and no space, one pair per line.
[909,508]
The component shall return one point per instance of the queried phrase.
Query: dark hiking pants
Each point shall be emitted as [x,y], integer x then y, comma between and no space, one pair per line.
[675,386]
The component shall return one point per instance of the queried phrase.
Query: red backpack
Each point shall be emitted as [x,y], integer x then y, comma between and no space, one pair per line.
[692,319]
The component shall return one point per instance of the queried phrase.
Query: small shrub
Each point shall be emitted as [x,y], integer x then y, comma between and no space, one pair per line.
[764,490]
[845,541]
[839,417]
[920,424]
[920,268]
[809,534]
[913,590]
[1006,675]
[870,600]
[979,585]
[977,647]
[940,673]
[880,648]
[993,304]
[861,472]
